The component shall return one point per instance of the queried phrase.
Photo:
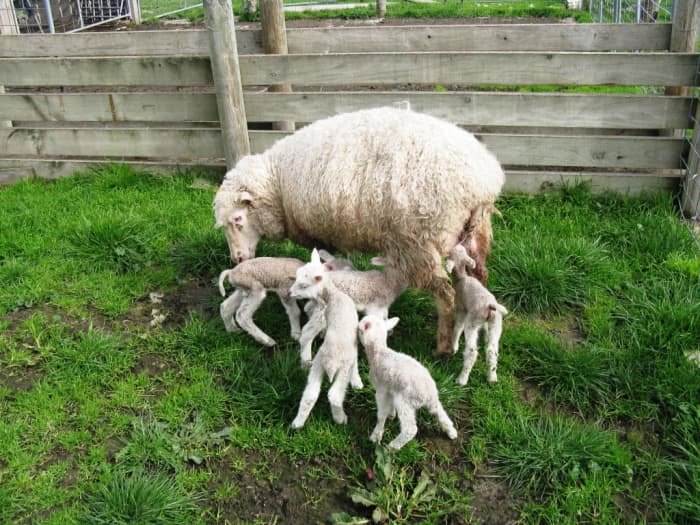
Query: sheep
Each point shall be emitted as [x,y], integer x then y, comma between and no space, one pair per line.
[386,180]
[402,385]
[337,356]
[476,309]
[372,291]
[253,278]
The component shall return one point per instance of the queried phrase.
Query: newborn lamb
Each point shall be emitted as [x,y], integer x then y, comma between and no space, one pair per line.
[475,308]
[337,356]
[402,384]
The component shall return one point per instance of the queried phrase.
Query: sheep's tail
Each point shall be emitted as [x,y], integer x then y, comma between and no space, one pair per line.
[222,277]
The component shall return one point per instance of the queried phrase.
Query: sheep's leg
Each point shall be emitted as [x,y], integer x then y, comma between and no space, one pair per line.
[445,300]
[471,352]
[445,422]
[228,310]
[385,407]
[494,333]
[244,317]
[407,419]
[310,395]
[336,395]
[460,317]
[313,327]
[293,312]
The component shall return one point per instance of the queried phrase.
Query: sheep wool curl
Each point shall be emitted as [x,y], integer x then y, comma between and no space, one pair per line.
[387,180]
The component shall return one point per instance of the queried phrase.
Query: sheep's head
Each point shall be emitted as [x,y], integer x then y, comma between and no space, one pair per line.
[234,217]
[372,330]
[310,279]
[459,261]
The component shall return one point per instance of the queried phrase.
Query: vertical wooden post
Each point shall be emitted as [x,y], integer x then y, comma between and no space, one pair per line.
[381,8]
[8,26]
[274,37]
[690,198]
[223,51]
[135,9]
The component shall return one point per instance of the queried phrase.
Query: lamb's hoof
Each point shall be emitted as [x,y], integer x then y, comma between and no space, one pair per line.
[375,437]
[493,379]
[296,335]
[341,420]
[357,385]
[232,328]
[452,434]
[462,380]
[395,446]
[297,423]
[269,342]
[306,363]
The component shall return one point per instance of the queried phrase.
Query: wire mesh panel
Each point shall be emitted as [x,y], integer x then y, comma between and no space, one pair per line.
[161,8]
[58,16]
[630,11]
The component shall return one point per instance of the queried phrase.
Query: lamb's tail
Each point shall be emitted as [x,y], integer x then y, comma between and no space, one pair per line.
[495,307]
[222,277]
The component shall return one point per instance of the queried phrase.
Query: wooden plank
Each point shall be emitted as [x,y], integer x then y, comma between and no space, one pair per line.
[12,170]
[122,71]
[485,109]
[111,107]
[515,150]
[659,69]
[573,151]
[115,143]
[486,37]
[493,68]
[464,108]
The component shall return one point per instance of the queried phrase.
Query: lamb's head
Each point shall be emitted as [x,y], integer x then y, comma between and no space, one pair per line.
[310,279]
[231,210]
[459,261]
[372,330]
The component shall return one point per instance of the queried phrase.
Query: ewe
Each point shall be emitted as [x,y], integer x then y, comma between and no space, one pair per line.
[386,180]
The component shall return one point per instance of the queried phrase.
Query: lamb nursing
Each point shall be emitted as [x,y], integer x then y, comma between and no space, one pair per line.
[385,180]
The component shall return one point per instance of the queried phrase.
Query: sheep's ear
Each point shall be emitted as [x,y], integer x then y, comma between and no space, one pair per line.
[237,218]
[325,256]
[315,257]
[391,323]
[245,198]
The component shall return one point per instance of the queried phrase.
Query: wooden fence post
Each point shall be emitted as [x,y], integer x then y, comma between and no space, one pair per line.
[223,51]
[8,26]
[684,38]
[274,37]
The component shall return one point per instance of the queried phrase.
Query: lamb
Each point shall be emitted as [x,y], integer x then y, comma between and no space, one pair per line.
[386,180]
[252,279]
[476,309]
[401,383]
[337,356]
[372,291]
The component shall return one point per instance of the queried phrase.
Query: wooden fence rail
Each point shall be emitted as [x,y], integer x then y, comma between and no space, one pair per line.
[149,96]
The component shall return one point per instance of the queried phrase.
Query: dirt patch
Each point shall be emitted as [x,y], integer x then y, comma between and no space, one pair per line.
[492,503]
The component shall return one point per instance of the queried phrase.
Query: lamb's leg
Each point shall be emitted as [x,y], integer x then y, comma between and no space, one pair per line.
[336,395]
[313,327]
[471,352]
[310,395]
[293,312]
[407,419]
[460,316]
[228,310]
[445,422]
[244,317]
[494,334]
[385,407]
[355,379]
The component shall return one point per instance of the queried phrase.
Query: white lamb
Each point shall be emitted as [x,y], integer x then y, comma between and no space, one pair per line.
[253,279]
[372,291]
[337,356]
[402,384]
[384,180]
[475,309]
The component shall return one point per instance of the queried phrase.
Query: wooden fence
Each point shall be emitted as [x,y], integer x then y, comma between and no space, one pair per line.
[148,97]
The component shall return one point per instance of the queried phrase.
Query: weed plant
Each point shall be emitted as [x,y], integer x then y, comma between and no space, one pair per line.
[106,417]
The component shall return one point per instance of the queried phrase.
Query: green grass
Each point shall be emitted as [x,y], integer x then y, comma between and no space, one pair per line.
[106,418]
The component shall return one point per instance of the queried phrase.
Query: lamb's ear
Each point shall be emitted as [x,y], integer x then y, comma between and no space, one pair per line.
[318,278]
[389,324]
[449,265]
[315,257]
[325,256]
[379,261]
